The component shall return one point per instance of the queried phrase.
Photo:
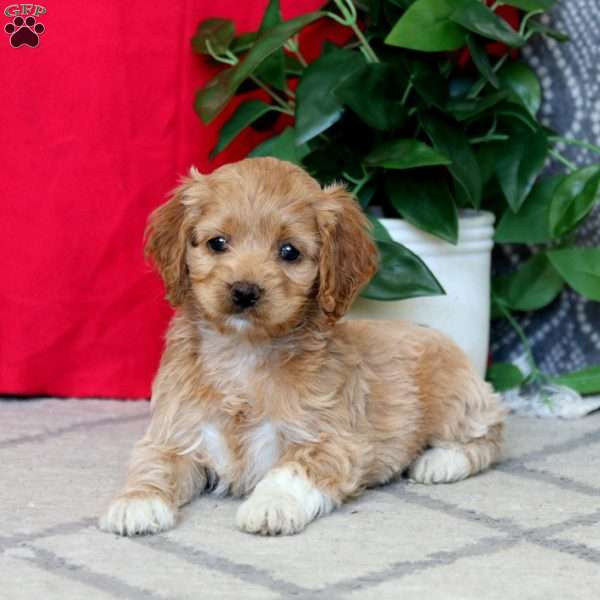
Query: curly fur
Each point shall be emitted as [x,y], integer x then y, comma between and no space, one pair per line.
[283,402]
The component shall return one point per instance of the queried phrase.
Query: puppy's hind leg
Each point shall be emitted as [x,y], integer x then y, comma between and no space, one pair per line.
[468,438]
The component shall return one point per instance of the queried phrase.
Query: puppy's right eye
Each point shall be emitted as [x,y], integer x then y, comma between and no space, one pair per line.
[217,244]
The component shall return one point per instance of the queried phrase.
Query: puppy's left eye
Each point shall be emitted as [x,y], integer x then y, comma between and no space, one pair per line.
[289,253]
[218,244]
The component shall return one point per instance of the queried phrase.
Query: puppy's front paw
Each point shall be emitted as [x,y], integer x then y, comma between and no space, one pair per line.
[272,514]
[137,515]
[440,465]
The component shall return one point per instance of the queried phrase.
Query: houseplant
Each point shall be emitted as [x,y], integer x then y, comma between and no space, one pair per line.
[424,110]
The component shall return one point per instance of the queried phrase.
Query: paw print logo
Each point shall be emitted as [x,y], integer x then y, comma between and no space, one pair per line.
[24,32]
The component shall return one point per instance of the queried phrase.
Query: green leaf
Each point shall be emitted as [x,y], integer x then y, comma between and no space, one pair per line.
[272,69]
[243,42]
[428,83]
[487,155]
[425,203]
[528,5]
[534,285]
[374,93]
[219,32]
[379,232]
[573,199]
[331,159]
[531,224]
[426,26]
[467,108]
[214,96]
[452,142]
[404,154]
[317,108]
[517,112]
[293,67]
[477,17]
[459,86]
[520,162]
[580,268]
[366,193]
[522,82]
[481,60]
[283,146]
[504,376]
[538,27]
[245,114]
[586,381]
[402,274]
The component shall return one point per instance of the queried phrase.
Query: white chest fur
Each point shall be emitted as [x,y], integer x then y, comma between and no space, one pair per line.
[261,449]
[230,359]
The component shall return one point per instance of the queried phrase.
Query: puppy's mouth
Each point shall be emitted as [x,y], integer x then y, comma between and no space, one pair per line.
[240,321]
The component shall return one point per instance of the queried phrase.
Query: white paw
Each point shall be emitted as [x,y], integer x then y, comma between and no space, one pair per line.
[137,516]
[284,502]
[272,514]
[440,465]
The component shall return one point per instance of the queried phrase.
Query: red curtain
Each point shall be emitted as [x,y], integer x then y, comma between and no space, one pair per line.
[97,125]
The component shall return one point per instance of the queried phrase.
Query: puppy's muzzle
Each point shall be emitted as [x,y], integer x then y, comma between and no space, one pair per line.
[245,294]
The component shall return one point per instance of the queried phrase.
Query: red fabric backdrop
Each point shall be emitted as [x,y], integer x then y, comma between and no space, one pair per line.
[97,124]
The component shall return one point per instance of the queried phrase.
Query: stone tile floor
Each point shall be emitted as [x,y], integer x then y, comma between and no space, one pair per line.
[529,529]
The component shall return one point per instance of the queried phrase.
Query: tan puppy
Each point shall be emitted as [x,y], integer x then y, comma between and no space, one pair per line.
[261,391]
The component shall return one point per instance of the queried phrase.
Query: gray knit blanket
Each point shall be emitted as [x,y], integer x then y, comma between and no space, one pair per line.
[565,335]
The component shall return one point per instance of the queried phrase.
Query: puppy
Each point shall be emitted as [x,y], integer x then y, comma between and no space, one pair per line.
[261,392]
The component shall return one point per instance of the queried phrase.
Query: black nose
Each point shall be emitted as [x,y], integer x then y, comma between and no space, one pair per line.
[244,294]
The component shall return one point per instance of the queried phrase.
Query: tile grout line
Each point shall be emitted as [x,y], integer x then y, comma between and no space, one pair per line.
[581,551]
[537,535]
[53,563]
[84,426]
[398,570]
[502,525]
[566,483]
[585,520]
[215,562]
[505,526]
[245,572]
[575,443]
[513,534]
[513,466]
[68,528]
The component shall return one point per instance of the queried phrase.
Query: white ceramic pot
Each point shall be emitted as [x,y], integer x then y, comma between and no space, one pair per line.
[464,272]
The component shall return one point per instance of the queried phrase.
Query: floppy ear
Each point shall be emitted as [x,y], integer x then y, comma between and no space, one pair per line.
[349,257]
[167,235]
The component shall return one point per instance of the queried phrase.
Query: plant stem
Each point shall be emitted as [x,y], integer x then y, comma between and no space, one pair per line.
[527,17]
[586,145]
[535,371]
[480,83]
[229,58]
[300,58]
[358,183]
[293,46]
[492,137]
[348,19]
[369,53]
[286,106]
[359,186]
[409,87]
[560,158]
